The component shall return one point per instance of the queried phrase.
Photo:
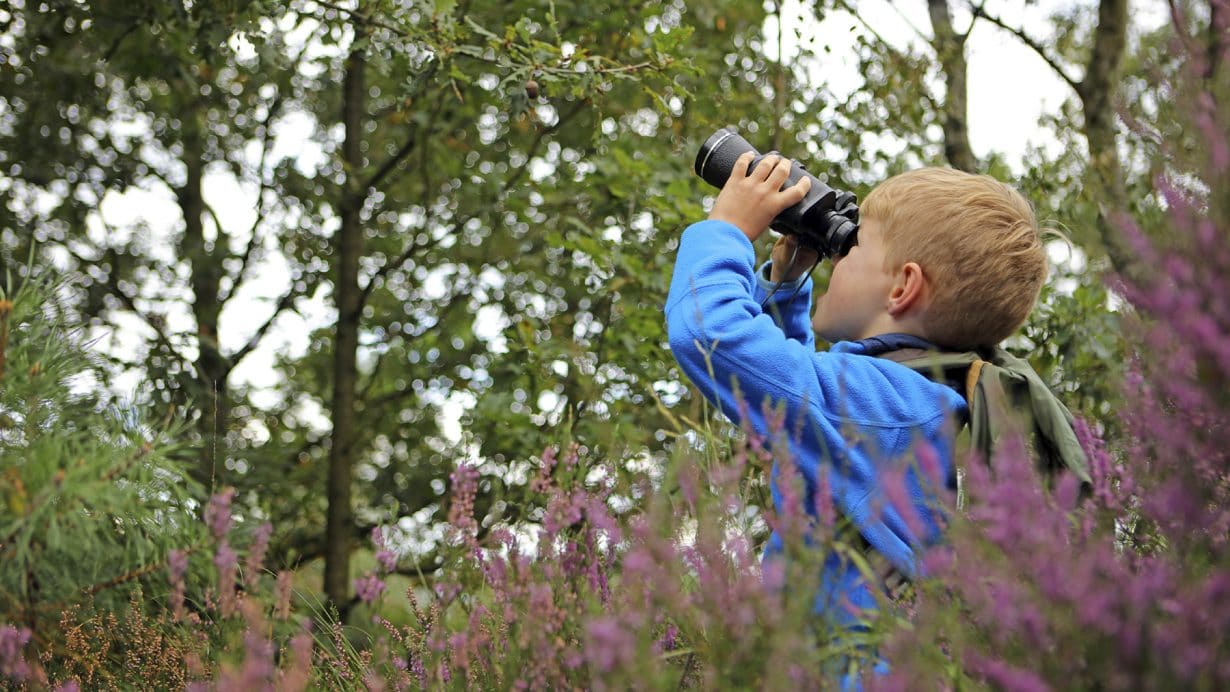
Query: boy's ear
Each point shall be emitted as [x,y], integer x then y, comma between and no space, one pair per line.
[910,289]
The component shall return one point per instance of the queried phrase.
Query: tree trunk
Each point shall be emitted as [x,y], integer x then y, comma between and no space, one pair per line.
[779,84]
[347,295]
[212,367]
[1097,94]
[950,48]
[1218,44]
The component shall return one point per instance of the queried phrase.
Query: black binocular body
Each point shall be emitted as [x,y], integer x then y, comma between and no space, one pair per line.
[826,220]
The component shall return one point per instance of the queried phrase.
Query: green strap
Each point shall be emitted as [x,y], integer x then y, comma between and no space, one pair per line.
[1052,420]
[985,379]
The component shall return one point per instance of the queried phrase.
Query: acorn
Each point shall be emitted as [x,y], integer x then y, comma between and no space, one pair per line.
[531,89]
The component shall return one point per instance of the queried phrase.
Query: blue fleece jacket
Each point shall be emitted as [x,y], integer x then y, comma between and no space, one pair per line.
[855,413]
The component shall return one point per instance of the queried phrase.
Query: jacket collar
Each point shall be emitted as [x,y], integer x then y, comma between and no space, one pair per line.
[883,343]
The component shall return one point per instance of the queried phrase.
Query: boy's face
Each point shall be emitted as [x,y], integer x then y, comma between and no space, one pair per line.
[859,287]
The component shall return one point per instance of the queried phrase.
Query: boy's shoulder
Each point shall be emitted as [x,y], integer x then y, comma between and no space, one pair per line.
[863,387]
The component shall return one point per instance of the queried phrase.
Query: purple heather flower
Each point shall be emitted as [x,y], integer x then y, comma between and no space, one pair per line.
[386,558]
[256,553]
[416,667]
[218,512]
[369,588]
[669,641]
[258,668]
[227,562]
[12,664]
[609,644]
[895,485]
[299,674]
[461,507]
[282,595]
[177,566]
[1004,676]
[541,482]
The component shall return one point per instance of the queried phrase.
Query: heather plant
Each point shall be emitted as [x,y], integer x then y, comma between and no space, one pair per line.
[93,499]
[653,585]
[1128,588]
[646,579]
[219,621]
[113,576]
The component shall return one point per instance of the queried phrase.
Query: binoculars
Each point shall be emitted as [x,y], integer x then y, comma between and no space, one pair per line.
[826,220]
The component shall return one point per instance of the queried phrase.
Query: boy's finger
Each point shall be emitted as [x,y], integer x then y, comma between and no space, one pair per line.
[766,166]
[780,172]
[741,165]
[799,190]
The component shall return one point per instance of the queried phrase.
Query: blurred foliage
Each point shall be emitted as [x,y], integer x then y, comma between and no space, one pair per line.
[528,171]
[92,496]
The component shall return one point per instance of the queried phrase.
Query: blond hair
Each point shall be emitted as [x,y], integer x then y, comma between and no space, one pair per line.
[977,241]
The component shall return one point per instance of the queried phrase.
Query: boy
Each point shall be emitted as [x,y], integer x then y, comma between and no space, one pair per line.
[943,259]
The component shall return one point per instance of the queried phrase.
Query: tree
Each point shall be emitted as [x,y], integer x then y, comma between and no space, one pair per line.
[1096,90]
[93,499]
[117,97]
[488,196]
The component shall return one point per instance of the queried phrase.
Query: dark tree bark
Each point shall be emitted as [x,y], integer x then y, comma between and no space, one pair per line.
[950,48]
[205,267]
[1097,91]
[1218,43]
[348,296]
[1097,94]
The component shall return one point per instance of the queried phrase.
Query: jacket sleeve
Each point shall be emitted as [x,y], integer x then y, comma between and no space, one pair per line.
[732,350]
[790,306]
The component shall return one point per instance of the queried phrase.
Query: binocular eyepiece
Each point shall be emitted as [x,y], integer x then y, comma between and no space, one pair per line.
[826,220]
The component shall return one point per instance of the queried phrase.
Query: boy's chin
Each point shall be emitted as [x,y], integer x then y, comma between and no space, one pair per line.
[826,332]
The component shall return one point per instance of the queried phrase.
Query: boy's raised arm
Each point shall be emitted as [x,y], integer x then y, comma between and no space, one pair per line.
[718,333]
[720,336]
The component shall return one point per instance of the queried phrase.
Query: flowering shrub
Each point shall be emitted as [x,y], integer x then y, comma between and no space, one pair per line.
[665,594]
[651,579]
[1129,589]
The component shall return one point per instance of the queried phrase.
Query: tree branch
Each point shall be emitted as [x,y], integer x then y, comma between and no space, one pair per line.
[384,270]
[266,140]
[361,18]
[508,184]
[283,303]
[539,137]
[950,49]
[393,161]
[1031,43]
[113,286]
[115,45]
[843,4]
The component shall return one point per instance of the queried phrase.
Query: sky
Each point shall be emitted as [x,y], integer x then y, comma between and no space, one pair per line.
[1010,87]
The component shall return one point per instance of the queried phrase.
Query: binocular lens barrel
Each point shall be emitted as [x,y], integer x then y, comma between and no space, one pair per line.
[824,220]
[716,158]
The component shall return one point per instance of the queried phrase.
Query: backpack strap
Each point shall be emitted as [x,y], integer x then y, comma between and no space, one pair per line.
[959,370]
[1057,447]
[1004,393]
[971,378]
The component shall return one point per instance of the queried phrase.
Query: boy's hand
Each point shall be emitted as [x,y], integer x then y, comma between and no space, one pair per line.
[751,201]
[783,250]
